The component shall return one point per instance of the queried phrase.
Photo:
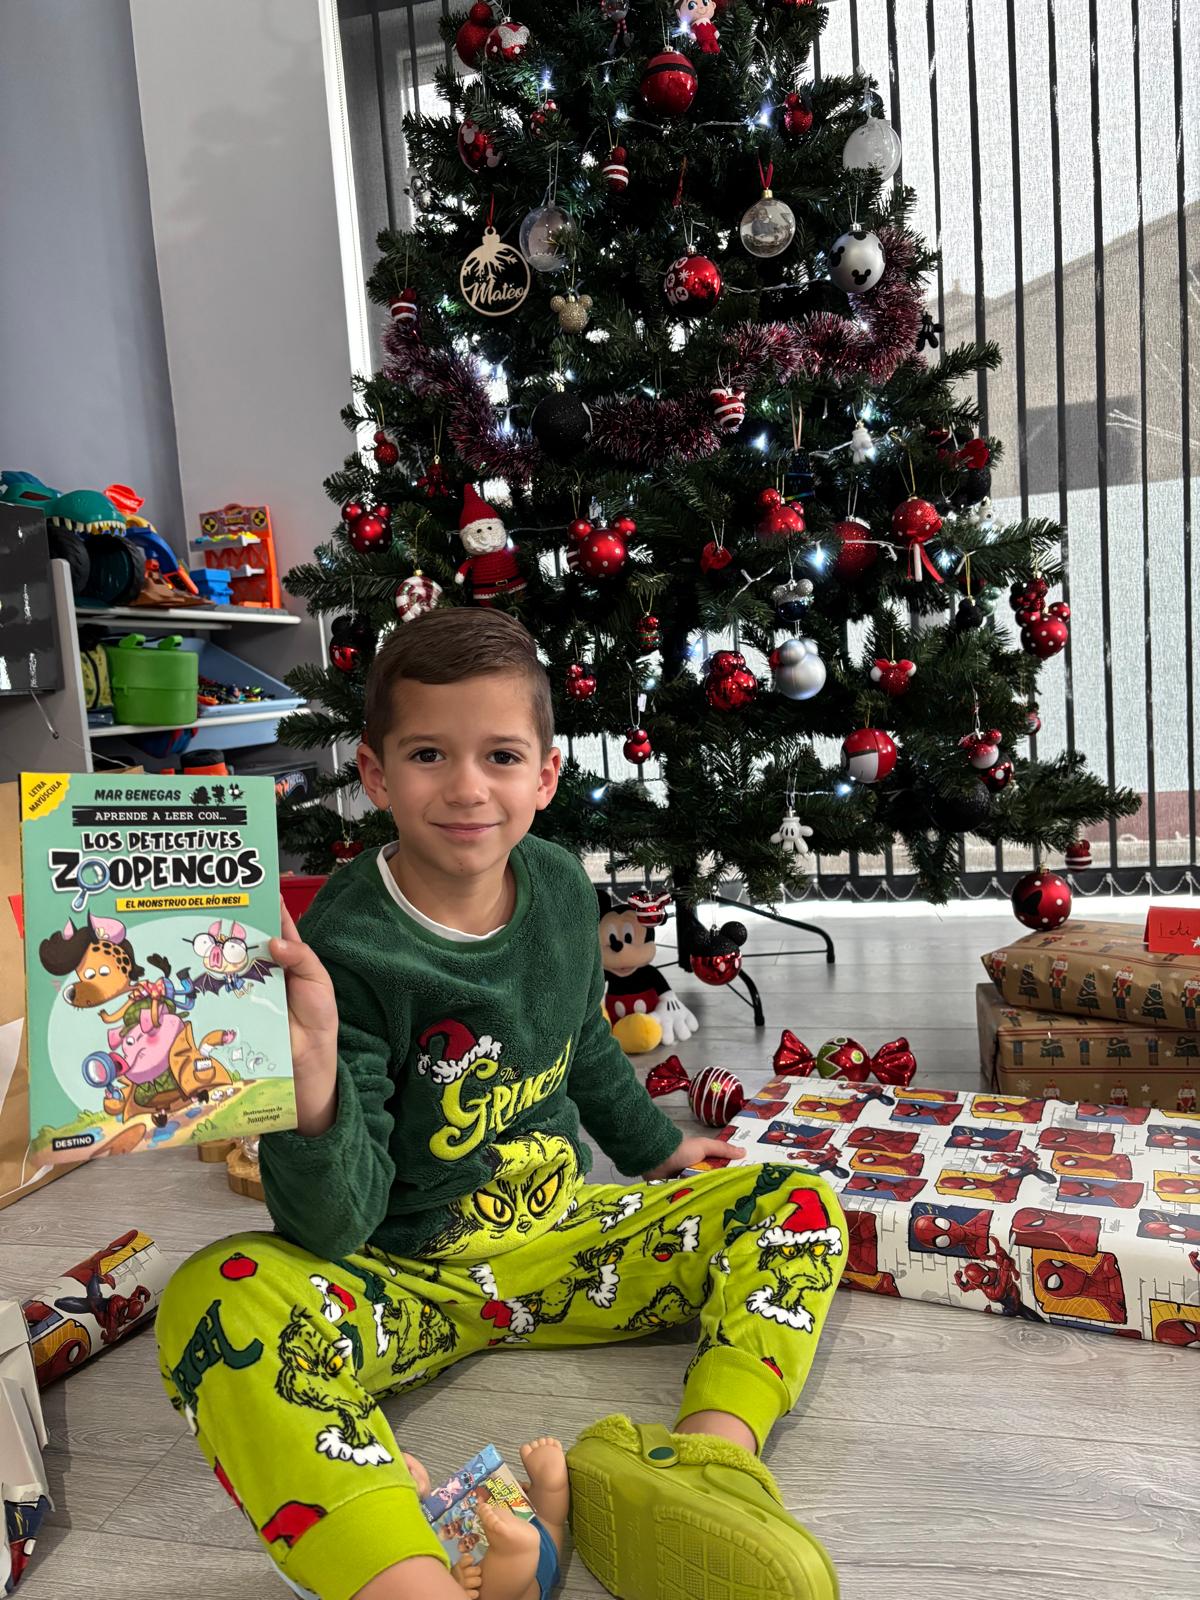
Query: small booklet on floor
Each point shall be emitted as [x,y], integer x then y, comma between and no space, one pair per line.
[156,1017]
[452,1508]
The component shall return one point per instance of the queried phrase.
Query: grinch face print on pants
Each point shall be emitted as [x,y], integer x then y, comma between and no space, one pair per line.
[596,1276]
[532,1181]
[795,1254]
[313,1371]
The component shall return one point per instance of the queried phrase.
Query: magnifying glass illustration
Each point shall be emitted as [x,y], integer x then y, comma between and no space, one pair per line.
[91,876]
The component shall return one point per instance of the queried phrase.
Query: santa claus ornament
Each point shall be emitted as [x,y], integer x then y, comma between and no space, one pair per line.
[490,569]
[797,669]
[893,677]
[415,596]
[715,1094]
[1042,900]
[868,755]
[729,685]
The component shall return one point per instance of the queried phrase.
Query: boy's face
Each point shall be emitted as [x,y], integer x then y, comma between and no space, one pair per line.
[461,771]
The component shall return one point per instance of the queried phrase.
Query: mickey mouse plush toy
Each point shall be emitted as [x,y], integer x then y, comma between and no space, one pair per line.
[638,1001]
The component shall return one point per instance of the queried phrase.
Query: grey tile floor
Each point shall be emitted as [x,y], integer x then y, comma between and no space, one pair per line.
[940,1455]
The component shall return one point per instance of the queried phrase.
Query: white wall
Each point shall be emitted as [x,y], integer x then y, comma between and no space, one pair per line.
[86,398]
[242,192]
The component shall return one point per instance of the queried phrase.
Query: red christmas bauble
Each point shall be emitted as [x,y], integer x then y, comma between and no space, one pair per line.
[797,114]
[1079,854]
[405,309]
[345,849]
[1033,721]
[998,776]
[580,529]
[692,284]
[351,511]
[472,36]
[615,170]
[868,755]
[722,662]
[776,518]
[345,657]
[915,520]
[385,452]
[714,557]
[715,1094]
[856,552]
[477,148]
[1042,900]
[669,83]
[370,533]
[581,682]
[508,41]
[647,633]
[731,691]
[1045,637]
[637,747]
[717,970]
[540,117]
[603,553]
[625,526]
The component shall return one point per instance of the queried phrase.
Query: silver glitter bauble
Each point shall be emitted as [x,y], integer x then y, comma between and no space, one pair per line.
[768,227]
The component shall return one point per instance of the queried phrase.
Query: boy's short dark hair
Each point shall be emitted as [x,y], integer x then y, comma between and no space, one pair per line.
[447,645]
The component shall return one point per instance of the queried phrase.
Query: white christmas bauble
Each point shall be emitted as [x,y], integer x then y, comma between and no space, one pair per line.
[798,668]
[875,144]
[541,236]
[856,261]
[768,227]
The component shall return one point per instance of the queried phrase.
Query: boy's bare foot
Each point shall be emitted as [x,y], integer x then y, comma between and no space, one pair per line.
[512,1554]
[549,1489]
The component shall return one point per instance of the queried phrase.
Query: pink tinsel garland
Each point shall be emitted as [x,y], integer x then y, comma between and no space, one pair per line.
[646,432]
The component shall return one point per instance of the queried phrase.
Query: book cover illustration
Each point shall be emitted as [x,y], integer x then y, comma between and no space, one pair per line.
[452,1508]
[156,1016]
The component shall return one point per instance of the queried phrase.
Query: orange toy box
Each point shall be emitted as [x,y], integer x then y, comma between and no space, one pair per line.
[238,540]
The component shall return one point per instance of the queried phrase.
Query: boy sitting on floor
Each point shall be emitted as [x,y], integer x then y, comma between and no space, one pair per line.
[449,1041]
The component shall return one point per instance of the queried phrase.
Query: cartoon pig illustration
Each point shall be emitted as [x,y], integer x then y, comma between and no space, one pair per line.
[157,1069]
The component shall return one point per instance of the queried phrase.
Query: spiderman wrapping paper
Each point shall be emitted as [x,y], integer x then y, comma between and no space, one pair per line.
[1084,1215]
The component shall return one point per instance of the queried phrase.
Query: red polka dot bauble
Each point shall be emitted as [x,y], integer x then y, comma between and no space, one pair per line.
[1042,900]
[669,83]
[602,554]
[508,41]
[868,755]
[716,1095]
[717,970]
[1044,637]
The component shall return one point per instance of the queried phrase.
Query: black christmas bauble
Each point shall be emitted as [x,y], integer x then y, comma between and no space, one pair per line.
[972,487]
[353,632]
[964,813]
[561,424]
[967,617]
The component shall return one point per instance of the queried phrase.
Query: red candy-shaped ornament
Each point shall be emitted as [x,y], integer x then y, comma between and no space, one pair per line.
[893,1064]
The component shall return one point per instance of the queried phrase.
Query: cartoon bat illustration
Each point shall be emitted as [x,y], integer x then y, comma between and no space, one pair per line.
[228,963]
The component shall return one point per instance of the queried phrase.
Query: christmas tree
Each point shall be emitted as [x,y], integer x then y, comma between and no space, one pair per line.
[658,373]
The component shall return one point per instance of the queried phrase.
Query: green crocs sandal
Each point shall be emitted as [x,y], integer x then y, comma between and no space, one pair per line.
[683,1516]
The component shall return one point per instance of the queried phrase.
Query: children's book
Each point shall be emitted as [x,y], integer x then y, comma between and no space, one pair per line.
[156,1017]
[452,1508]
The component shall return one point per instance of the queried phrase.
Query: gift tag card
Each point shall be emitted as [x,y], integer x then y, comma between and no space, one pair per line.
[1169,930]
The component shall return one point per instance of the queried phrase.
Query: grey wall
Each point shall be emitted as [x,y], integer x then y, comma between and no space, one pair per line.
[86,396]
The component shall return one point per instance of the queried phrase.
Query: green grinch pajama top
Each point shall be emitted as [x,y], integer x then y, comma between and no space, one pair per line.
[446,1211]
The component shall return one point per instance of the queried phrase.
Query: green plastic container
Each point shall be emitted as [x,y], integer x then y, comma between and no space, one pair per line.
[153,683]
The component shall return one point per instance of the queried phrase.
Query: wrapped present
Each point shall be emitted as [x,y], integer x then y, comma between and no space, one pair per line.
[23,1485]
[1099,969]
[1057,1057]
[1083,1215]
[94,1304]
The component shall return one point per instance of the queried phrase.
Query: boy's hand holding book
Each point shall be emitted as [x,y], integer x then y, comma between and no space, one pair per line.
[313,1023]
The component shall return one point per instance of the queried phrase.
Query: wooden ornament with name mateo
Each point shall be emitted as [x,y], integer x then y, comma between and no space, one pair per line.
[494,278]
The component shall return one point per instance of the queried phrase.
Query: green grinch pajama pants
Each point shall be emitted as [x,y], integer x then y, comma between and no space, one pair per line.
[278,1359]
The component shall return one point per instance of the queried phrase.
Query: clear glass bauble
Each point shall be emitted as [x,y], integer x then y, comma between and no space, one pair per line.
[874,144]
[768,227]
[540,238]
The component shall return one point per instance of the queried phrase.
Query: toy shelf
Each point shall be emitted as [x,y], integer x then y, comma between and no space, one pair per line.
[120,730]
[171,618]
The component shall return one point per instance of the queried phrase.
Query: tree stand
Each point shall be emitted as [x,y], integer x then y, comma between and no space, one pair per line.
[687,925]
